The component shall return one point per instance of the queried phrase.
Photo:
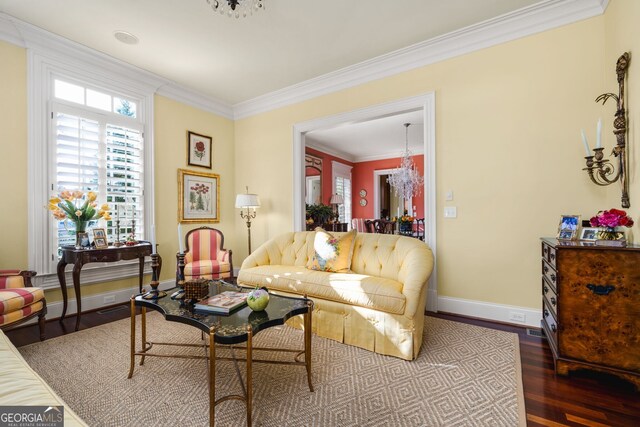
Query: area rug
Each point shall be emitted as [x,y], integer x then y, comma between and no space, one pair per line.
[464,376]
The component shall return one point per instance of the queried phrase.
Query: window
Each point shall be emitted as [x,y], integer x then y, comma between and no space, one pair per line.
[99,152]
[342,186]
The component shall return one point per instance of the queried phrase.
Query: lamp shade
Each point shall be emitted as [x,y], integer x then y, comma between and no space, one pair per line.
[247,201]
[336,199]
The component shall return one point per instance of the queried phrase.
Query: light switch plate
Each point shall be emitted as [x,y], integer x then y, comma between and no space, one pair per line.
[449,196]
[450,212]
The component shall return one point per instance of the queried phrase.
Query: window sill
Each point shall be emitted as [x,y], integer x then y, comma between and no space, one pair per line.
[98,272]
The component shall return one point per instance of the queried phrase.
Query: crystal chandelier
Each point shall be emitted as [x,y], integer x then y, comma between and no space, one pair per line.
[405,180]
[236,8]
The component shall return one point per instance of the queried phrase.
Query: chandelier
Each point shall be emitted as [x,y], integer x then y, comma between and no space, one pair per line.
[405,180]
[236,8]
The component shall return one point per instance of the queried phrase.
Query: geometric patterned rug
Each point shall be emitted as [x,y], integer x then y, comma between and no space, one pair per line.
[465,375]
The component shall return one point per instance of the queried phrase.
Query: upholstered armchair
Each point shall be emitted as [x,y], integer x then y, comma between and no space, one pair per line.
[19,301]
[205,255]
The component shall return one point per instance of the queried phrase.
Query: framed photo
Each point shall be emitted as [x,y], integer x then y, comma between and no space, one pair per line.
[99,233]
[569,227]
[589,234]
[101,242]
[198,150]
[198,196]
[82,240]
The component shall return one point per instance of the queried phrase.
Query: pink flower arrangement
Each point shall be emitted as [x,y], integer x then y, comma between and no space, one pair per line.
[611,219]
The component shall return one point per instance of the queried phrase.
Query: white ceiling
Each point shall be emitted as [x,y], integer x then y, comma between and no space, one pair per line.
[235,60]
[371,140]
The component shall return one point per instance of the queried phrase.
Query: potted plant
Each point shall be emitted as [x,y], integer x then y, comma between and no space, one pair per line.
[320,214]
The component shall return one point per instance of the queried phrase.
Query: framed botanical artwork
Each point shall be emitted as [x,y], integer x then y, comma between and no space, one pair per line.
[198,150]
[569,227]
[198,196]
[589,234]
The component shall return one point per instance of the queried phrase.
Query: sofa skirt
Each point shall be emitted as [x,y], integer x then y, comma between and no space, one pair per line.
[390,334]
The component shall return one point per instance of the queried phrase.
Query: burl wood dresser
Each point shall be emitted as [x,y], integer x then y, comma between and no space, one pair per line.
[591,307]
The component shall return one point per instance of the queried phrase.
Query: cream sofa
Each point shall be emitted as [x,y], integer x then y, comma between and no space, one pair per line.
[378,306]
[22,386]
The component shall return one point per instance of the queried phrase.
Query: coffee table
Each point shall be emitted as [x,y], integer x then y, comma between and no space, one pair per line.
[238,327]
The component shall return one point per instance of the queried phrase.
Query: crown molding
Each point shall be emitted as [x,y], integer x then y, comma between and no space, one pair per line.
[398,155]
[197,100]
[51,45]
[542,16]
[332,151]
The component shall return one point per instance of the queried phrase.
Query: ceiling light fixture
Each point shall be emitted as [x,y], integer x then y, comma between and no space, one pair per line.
[236,8]
[405,180]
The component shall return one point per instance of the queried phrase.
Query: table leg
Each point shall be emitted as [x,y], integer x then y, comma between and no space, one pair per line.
[212,377]
[249,374]
[63,286]
[307,342]
[133,337]
[140,273]
[76,287]
[143,320]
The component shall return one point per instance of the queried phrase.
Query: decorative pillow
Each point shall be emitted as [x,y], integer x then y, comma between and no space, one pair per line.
[332,253]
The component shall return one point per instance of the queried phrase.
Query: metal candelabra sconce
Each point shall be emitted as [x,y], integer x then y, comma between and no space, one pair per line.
[599,169]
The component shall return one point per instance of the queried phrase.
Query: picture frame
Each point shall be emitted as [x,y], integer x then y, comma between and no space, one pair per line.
[100,242]
[99,233]
[82,240]
[589,234]
[199,150]
[569,227]
[198,196]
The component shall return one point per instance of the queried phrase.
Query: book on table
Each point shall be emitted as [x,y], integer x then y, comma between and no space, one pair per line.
[223,302]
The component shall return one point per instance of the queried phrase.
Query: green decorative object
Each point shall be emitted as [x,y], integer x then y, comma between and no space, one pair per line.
[258,299]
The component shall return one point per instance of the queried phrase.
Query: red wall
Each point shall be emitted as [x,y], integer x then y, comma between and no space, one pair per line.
[327,172]
[362,177]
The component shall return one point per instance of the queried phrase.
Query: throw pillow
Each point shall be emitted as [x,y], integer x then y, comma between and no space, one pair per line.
[332,253]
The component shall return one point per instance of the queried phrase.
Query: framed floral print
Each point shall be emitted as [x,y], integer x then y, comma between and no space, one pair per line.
[198,196]
[198,150]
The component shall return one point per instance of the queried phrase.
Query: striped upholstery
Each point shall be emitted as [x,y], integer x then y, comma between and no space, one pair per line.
[206,256]
[11,281]
[15,299]
[14,316]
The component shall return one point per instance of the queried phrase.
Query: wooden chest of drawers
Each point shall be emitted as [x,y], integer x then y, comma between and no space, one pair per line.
[591,307]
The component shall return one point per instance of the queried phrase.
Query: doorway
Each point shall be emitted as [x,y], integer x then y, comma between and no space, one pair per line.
[424,103]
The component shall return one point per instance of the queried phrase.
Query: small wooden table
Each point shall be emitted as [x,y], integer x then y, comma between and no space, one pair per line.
[79,257]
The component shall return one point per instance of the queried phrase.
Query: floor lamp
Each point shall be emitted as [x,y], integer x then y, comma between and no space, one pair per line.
[250,202]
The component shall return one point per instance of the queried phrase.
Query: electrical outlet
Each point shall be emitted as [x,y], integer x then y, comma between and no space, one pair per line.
[450,212]
[516,316]
[109,299]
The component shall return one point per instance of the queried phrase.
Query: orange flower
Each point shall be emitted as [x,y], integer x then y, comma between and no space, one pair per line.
[78,194]
[78,213]
[59,214]
[91,196]
[105,207]
[66,195]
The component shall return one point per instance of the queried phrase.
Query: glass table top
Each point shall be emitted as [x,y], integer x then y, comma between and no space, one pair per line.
[229,328]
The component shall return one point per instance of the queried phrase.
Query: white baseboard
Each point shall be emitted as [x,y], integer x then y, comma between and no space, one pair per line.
[490,311]
[93,302]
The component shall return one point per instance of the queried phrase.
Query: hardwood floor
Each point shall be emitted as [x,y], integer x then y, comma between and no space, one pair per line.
[584,399]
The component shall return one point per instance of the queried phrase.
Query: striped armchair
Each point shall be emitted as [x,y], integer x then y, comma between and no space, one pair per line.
[205,255]
[19,301]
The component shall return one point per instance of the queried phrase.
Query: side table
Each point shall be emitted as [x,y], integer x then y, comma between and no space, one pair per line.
[79,257]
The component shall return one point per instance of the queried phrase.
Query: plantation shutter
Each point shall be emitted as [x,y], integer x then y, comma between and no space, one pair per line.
[93,154]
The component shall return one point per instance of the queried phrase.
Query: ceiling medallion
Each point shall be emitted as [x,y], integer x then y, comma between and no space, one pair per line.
[236,8]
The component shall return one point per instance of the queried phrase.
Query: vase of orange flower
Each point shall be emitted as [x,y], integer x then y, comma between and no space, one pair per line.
[78,207]
[405,224]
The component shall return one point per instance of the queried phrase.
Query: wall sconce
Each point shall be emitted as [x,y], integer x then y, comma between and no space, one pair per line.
[599,169]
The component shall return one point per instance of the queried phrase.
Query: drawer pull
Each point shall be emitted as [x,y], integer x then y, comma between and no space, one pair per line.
[545,269]
[546,313]
[553,301]
[552,277]
[600,289]
[552,256]
[553,328]
[545,289]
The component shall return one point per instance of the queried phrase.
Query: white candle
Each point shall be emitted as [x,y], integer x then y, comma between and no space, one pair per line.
[153,238]
[586,144]
[599,134]
[180,238]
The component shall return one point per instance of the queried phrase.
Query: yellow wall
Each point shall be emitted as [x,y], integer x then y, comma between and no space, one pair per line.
[13,156]
[507,129]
